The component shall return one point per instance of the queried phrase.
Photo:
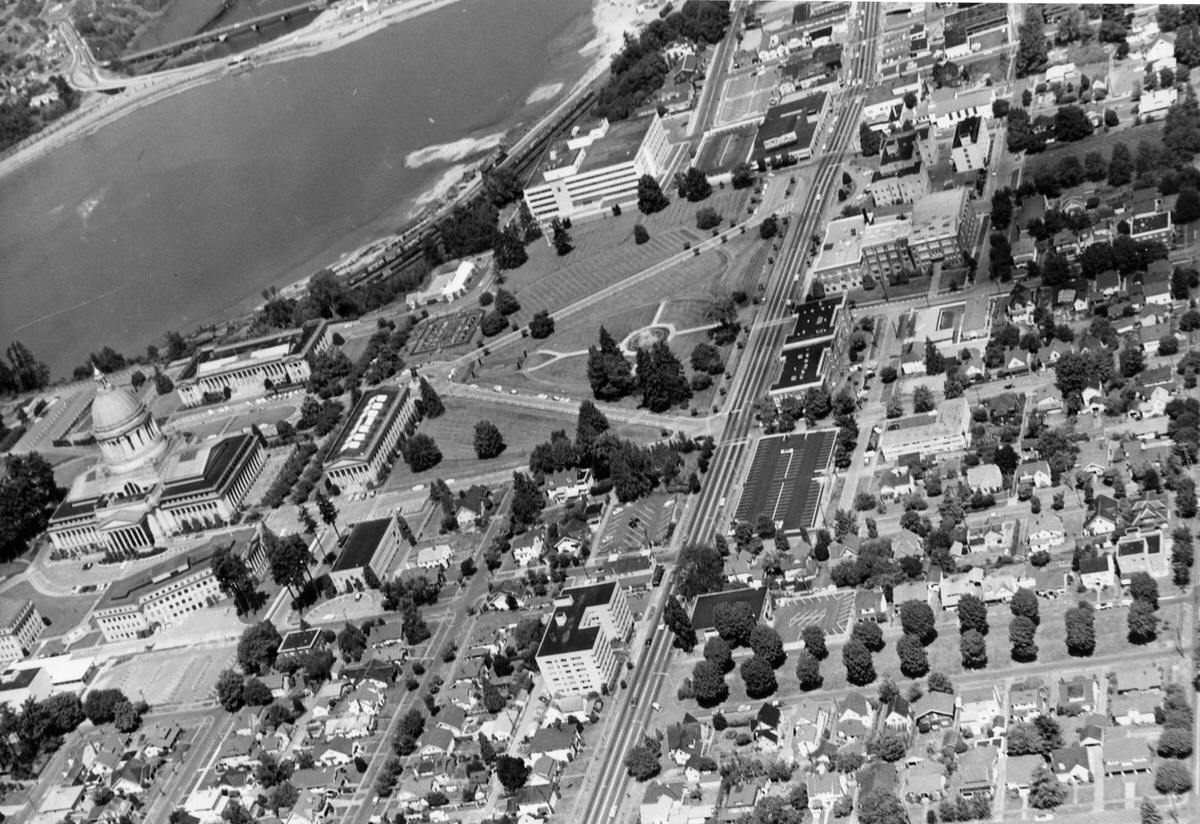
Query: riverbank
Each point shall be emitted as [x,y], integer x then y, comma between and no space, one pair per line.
[333,29]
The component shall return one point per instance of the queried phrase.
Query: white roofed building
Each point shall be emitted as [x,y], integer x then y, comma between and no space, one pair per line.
[370,436]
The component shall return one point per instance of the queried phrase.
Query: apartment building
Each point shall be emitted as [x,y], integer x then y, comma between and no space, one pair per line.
[576,655]
[20,626]
[944,430]
[596,168]
[371,434]
[945,225]
[972,145]
[838,268]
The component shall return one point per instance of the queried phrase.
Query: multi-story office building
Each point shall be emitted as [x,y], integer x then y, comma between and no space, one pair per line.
[972,145]
[20,627]
[371,434]
[597,168]
[576,655]
[371,545]
[839,266]
[926,433]
[945,225]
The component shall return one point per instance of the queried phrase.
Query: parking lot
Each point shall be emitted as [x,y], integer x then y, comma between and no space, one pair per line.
[745,96]
[829,611]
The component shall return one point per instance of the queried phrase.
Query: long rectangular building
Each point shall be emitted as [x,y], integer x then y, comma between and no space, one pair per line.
[945,430]
[243,369]
[372,545]
[370,436]
[576,655]
[20,626]
[594,169]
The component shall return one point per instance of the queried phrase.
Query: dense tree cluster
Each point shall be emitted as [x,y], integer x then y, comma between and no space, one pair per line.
[28,495]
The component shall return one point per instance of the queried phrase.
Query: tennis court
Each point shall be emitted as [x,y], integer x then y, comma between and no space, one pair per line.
[745,96]
[831,611]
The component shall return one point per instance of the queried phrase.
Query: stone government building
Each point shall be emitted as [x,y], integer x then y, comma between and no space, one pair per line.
[146,486]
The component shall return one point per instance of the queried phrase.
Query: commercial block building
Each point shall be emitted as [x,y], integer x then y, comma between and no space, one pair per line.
[791,129]
[885,250]
[926,433]
[972,145]
[20,626]
[371,545]
[244,368]
[945,225]
[364,447]
[593,169]
[576,655]
[839,266]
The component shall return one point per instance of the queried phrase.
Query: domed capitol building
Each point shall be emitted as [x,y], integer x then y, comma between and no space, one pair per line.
[146,486]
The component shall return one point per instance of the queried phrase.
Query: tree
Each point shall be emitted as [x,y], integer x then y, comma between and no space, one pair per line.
[939,682]
[759,677]
[1081,631]
[234,579]
[287,559]
[767,645]
[1120,164]
[642,763]
[913,661]
[661,375]
[229,690]
[255,693]
[1143,623]
[1185,497]
[708,683]
[1032,51]
[430,404]
[640,235]
[1046,792]
[916,617]
[814,641]
[868,634]
[421,452]
[860,669]
[1143,588]
[352,642]
[678,621]
[1173,778]
[734,622]
[890,746]
[493,323]
[1071,123]
[1150,813]
[973,650]
[609,373]
[650,197]
[1175,742]
[257,647]
[707,218]
[1132,360]
[1021,634]
[64,712]
[869,140]
[541,325]
[528,500]
[509,251]
[512,771]
[923,399]
[698,570]
[329,512]
[718,652]
[880,806]
[489,443]
[768,228]
[808,670]
[693,185]
[972,614]
[561,238]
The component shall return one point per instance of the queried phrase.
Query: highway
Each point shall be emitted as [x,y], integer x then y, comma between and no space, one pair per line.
[612,787]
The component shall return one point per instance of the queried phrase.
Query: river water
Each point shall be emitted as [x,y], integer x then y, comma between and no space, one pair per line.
[182,212]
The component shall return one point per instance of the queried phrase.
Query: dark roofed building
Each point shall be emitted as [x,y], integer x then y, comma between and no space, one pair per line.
[367,557]
[576,655]
[790,129]
[704,612]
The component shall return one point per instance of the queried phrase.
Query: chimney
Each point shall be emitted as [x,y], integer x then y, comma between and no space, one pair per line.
[560,619]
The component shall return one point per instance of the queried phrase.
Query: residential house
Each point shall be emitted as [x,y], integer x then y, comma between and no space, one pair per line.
[537,801]
[934,710]
[898,716]
[954,587]
[925,780]
[855,717]
[766,725]
[1137,678]
[1126,755]
[905,544]
[1019,770]
[977,771]
[562,743]
[1070,764]
[1026,699]
[1133,709]
[980,710]
[1049,581]
[453,719]
[1077,694]
[896,483]
[811,722]
[869,604]
[472,507]
[999,589]
[435,741]
[1045,532]
[1141,553]
[527,547]
[1105,519]
[685,740]
[1098,573]
[824,790]
[568,484]
[915,591]
[337,752]
[1035,473]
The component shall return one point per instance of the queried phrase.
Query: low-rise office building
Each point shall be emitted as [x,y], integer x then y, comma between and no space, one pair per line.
[594,169]
[253,367]
[839,267]
[972,145]
[945,225]
[944,430]
[576,654]
[367,443]
[792,129]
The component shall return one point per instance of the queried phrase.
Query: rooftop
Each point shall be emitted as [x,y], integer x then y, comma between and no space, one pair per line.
[360,546]
[842,246]
[936,214]
[788,126]
[204,467]
[240,354]
[141,584]
[887,230]
[299,640]
[706,605]
[10,610]
[565,631]
[366,422]
[802,366]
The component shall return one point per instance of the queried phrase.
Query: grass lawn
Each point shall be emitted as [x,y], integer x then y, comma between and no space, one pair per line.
[62,612]
[521,427]
[1099,142]
[605,252]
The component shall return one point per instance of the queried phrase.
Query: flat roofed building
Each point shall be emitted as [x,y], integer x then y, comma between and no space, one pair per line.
[592,170]
[839,266]
[364,447]
[948,106]
[944,430]
[824,320]
[885,247]
[20,627]
[945,225]
[791,129]
[705,610]
[576,655]
[804,367]
[245,367]
[785,480]
[972,145]
[447,282]
[205,484]
[371,545]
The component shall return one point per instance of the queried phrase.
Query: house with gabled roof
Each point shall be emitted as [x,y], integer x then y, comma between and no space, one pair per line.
[766,725]
[811,721]
[685,739]
[977,771]
[560,742]
[1125,754]
[1036,473]
[1137,677]
[1133,709]
[915,591]
[980,710]
[1106,517]
[906,543]
[935,709]
[855,717]
[1070,764]
[1019,770]
[869,604]
[1026,699]
[824,790]
[471,507]
[1098,573]
[898,716]
[1077,694]
[954,587]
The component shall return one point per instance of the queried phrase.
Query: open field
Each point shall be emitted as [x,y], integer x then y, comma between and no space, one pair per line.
[1099,142]
[522,428]
[605,252]
[745,96]
[62,611]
